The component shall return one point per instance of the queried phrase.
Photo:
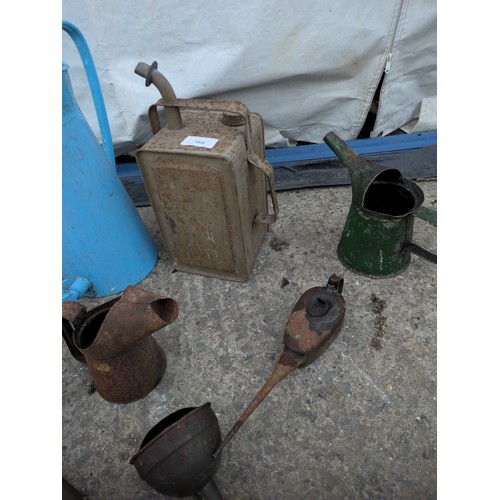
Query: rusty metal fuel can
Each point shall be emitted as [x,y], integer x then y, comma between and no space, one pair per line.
[206,178]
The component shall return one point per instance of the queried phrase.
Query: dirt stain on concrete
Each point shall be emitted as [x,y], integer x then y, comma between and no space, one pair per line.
[377,306]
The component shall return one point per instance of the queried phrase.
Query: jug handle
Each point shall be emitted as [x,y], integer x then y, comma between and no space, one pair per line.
[421,252]
[428,215]
[95,88]
[73,313]
[236,107]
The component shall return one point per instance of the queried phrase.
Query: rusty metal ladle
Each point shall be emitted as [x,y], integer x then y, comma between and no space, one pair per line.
[314,323]
[175,457]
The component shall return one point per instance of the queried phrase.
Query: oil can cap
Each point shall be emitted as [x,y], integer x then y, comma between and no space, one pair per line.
[318,307]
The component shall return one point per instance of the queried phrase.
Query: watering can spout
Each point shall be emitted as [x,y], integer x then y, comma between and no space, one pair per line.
[361,171]
[344,153]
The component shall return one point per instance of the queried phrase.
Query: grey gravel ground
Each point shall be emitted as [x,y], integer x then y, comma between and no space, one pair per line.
[360,422]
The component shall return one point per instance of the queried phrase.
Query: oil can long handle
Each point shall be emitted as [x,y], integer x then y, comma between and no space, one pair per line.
[287,363]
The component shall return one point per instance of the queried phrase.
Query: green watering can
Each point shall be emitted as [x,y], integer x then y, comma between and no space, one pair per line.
[377,236]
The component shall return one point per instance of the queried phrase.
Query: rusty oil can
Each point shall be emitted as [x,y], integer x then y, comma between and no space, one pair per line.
[205,175]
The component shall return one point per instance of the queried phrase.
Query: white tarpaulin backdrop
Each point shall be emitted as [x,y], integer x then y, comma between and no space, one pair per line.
[306,67]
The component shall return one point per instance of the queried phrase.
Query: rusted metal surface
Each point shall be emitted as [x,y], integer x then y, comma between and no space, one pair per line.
[72,313]
[175,457]
[152,76]
[210,201]
[67,334]
[314,323]
[125,361]
[315,319]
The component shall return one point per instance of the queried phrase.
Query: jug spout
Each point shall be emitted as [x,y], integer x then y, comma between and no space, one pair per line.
[125,361]
[136,315]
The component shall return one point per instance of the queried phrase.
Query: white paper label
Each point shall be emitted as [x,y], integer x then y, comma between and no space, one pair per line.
[200,142]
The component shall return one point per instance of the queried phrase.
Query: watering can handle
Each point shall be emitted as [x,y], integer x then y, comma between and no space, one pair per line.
[95,89]
[233,107]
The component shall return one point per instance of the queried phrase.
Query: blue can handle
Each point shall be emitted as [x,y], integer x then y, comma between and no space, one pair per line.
[95,88]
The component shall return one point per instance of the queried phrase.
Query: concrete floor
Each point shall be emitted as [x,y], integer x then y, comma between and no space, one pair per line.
[360,422]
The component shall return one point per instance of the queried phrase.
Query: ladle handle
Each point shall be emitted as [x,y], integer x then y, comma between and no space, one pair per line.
[287,362]
[209,492]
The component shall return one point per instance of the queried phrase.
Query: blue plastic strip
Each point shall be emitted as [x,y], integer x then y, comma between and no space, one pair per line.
[128,169]
[95,88]
[363,147]
[282,156]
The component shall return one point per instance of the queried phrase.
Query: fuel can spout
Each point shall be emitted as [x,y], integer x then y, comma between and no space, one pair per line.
[152,76]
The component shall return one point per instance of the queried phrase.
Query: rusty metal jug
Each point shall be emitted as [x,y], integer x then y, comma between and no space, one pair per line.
[314,323]
[175,457]
[205,176]
[377,236]
[115,340]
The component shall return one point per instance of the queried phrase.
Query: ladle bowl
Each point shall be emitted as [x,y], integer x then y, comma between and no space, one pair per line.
[175,457]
